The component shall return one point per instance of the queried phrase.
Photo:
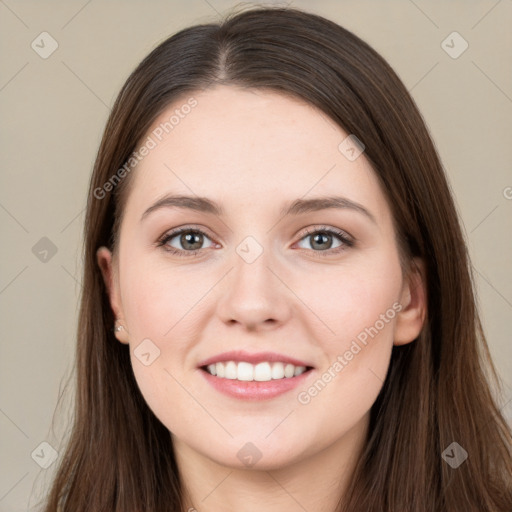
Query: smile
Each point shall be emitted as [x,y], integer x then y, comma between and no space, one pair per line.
[261,381]
[261,372]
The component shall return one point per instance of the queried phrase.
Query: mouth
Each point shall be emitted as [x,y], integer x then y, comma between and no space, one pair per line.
[254,376]
[265,371]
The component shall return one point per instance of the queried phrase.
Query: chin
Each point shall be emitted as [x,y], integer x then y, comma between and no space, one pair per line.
[256,455]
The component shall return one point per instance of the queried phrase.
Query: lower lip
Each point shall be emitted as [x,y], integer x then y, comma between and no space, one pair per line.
[254,390]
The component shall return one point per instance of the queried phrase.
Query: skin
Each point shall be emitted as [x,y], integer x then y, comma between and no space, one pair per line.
[253,152]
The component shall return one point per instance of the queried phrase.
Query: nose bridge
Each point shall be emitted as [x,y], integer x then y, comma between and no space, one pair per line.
[251,265]
[253,294]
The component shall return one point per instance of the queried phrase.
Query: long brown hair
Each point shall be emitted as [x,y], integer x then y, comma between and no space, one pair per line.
[440,389]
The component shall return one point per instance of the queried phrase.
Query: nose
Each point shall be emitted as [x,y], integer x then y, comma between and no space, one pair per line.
[254,294]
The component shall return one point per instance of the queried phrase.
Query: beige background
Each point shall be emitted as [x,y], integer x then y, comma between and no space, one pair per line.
[53,112]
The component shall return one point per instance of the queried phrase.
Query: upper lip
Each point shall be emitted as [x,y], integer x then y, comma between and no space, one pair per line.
[255,358]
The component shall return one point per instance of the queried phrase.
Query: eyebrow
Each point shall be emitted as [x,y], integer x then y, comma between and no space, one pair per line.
[297,207]
[300,206]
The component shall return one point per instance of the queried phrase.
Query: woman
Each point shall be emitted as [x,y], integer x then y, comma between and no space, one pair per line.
[277,308]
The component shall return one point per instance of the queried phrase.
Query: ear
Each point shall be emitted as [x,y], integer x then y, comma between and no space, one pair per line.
[105,262]
[413,300]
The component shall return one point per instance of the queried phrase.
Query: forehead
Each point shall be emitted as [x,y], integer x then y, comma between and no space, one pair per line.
[244,144]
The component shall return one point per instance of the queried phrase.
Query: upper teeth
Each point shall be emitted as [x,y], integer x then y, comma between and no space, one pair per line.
[259,372]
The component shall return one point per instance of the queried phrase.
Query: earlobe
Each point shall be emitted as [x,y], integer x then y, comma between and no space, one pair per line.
[105,262]
[411,318]
[121,333]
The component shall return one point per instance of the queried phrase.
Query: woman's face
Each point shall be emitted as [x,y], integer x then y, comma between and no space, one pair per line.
[320,286]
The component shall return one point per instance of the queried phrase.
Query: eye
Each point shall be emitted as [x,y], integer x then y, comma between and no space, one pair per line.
[188,241]
[184,241]
[322,240]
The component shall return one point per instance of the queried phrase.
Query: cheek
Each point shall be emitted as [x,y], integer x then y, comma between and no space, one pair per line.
[356,357]
[168,396]
[162,306]
[352,300]
[357,307]
[159,299]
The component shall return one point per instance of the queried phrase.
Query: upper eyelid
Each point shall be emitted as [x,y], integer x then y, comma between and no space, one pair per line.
[187,227]
[330,229]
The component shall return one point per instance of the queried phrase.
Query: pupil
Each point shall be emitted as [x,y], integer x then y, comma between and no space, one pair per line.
[189,239]
[322,239]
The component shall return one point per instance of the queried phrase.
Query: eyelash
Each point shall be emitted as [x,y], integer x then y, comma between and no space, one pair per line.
[347,241]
